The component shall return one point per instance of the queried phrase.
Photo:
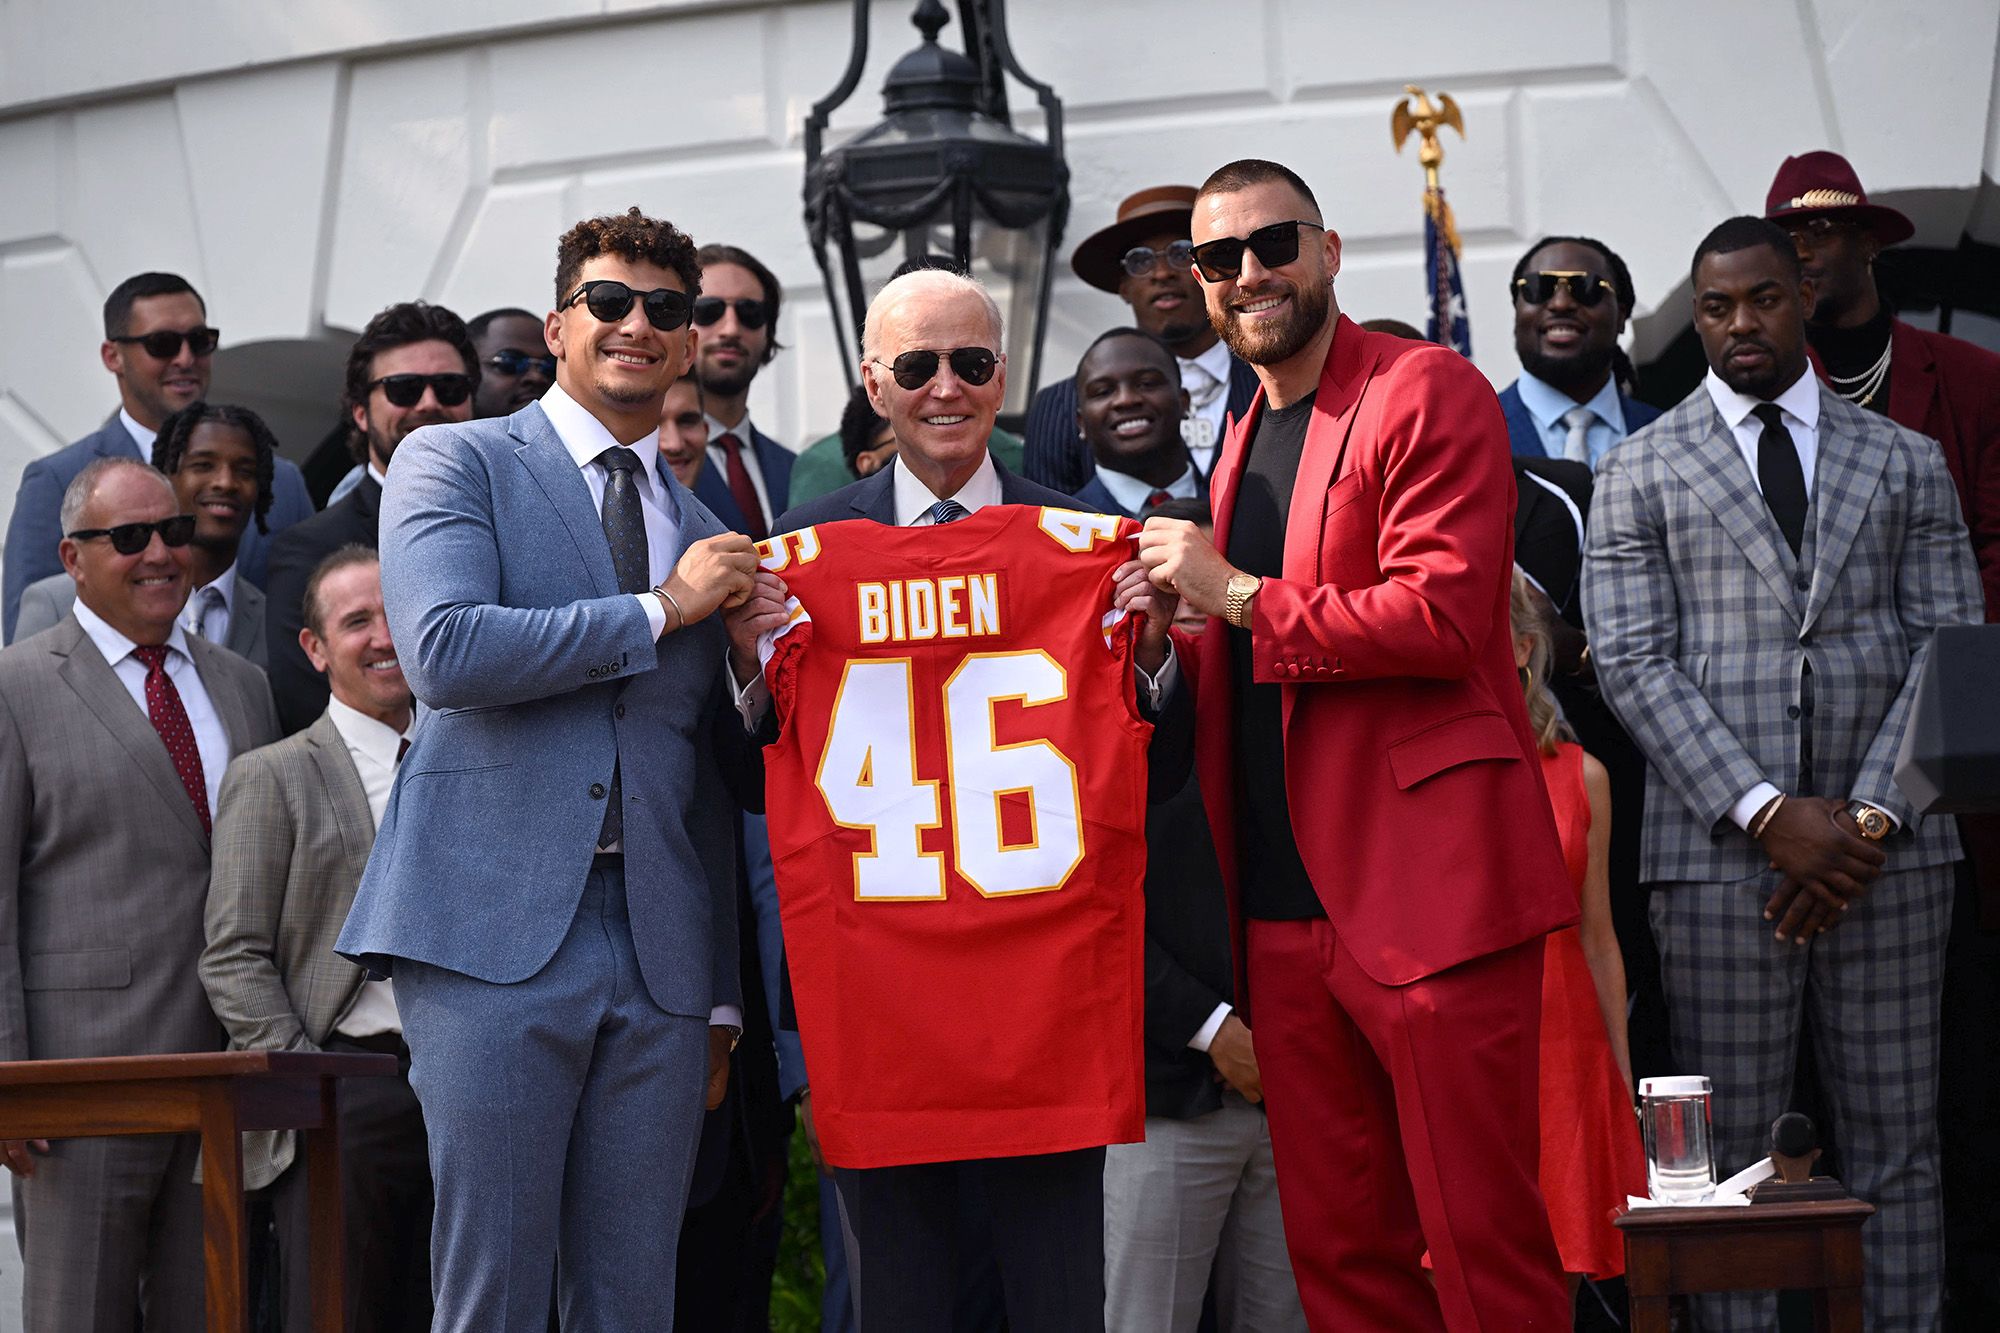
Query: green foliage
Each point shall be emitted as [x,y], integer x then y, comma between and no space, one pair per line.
[801,1272]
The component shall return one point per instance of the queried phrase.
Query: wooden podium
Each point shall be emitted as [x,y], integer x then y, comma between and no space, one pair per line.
[217,1095]
[1812,1247]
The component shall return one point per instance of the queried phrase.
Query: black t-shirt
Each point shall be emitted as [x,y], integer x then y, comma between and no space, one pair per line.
[1275,884]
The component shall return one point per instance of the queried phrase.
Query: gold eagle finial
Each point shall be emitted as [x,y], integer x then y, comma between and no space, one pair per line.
[1417,112]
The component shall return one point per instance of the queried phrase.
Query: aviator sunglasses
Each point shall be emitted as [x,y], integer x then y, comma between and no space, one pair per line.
[1275,246]
[165,344]
[749,313]
[513,361]
[1586,289]
[610,300]
[408,390]
[913,370]
[132,538]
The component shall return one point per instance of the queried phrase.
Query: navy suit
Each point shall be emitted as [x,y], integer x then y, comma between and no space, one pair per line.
[773,459]
[35,530]
[1525,438]
[556,1001]
[1053,452]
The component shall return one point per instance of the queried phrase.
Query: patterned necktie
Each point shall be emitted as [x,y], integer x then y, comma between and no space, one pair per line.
[1780,475]
[1576,448]
[741,489]
[170,719]
[624,521]
[946,511]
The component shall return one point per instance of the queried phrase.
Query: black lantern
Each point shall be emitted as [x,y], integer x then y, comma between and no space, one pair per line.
[944,179]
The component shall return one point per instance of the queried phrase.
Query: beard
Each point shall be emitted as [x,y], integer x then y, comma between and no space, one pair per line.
[727,383]
[1272,341]
[1582,366]
[382,440]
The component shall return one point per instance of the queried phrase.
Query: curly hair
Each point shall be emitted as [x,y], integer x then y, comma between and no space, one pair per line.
[394,326]
[171,445]
[629,235]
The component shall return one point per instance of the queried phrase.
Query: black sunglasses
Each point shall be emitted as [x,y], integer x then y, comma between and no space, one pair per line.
[508,361]
[132,538]
[610,300]
[749,313]
[913,370]
[165,344]
[1586,289]
[1140,259]
[408,390]
[1275,246]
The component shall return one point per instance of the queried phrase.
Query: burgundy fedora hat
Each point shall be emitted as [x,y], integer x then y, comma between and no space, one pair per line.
[1147,213]
[1823,184]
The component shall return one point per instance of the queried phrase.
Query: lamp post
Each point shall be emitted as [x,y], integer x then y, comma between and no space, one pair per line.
[942,179]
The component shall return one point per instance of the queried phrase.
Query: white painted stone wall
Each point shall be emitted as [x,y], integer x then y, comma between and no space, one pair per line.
[305,164]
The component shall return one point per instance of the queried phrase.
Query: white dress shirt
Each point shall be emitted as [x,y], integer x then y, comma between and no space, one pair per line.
[746,440]
[143,436]
[585,437]
[1206,379]
[210,741]
[372,745]
[1132,493]
[213,626]
[914,499]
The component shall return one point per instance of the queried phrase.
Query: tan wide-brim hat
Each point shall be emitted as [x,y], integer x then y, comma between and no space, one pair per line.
[1099,259]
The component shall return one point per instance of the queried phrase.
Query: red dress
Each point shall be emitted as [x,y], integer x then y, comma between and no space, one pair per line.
[1592,1156]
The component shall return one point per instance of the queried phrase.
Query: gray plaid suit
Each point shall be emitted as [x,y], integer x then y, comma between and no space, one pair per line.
[292,836]
[1731,663]
[103,872]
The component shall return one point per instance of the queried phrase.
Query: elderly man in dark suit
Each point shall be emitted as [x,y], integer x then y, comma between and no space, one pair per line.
[157,342]
[292,835]
[1767,565]
[116,730]
[1142,258]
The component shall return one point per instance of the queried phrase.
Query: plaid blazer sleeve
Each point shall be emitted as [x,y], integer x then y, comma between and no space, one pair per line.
[1631,607]
[1937,583]
[251,858]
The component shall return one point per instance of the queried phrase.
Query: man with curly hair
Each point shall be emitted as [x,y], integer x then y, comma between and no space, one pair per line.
[552,888]
[221,460]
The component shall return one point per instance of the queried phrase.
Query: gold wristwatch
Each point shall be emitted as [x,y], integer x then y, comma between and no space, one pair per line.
[1874,824]
[1240,589]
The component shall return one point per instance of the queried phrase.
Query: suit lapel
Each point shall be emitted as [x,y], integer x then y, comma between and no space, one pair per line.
[237,725]
[1713,468]
[692,522]
[1342,385]
[246,620]
[1228,470]
[1912,377]
[542,453]
[1852,455]
[97,685]
[875,497]
[349,801]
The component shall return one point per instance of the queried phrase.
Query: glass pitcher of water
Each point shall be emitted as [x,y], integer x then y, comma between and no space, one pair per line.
[1673,1112]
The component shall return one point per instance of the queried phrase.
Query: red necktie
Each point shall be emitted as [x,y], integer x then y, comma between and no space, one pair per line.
[742,489]
[1156,499]
[170,719]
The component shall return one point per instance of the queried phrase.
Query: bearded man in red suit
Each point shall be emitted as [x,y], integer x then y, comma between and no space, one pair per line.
[1369,773]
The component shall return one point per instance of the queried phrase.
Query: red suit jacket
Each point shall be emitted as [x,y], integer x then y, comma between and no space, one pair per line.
[1415,795]
[1949,389]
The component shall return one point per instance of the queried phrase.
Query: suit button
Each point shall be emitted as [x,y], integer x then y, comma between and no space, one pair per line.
[1802,581]
[597,788]
[618,712]
[1792,712]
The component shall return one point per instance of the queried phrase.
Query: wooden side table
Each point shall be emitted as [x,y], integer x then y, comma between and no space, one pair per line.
[218,1095]
[1813,1247]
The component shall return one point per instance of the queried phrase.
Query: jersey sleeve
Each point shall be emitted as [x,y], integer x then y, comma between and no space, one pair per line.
[779,650]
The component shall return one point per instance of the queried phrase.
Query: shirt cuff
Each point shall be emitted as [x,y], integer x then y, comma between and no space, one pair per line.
[656,614]
[1203,1037]
[1750,803]
[1159,685]
[726,1016]
[753,697]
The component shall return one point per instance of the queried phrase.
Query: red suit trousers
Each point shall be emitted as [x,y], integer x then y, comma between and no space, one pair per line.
[1404,1118]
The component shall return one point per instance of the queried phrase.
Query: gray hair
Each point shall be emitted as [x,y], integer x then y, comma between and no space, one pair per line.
[924,282]
[77,497]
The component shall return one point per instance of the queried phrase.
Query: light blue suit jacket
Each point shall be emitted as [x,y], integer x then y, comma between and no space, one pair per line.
[35,528]
[545,678]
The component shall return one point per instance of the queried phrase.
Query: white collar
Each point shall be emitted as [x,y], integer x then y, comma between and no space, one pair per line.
[1215,361]
[1131,493]
[914,499]
[745,433]
[113,643]
[585,437]
[376,739]
[381,477]
[143,436]
[1799,402]
[224,584]
[1548,405]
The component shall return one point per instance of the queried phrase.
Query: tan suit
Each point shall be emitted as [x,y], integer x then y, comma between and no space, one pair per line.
[103,875]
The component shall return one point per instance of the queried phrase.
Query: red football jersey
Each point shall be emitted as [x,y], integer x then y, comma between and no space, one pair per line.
[957,805]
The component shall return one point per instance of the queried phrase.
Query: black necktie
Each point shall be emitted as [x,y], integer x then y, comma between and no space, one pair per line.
[1780,475]
[625,528]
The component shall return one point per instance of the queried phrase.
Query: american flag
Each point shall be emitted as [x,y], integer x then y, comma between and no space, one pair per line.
[1447,321]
